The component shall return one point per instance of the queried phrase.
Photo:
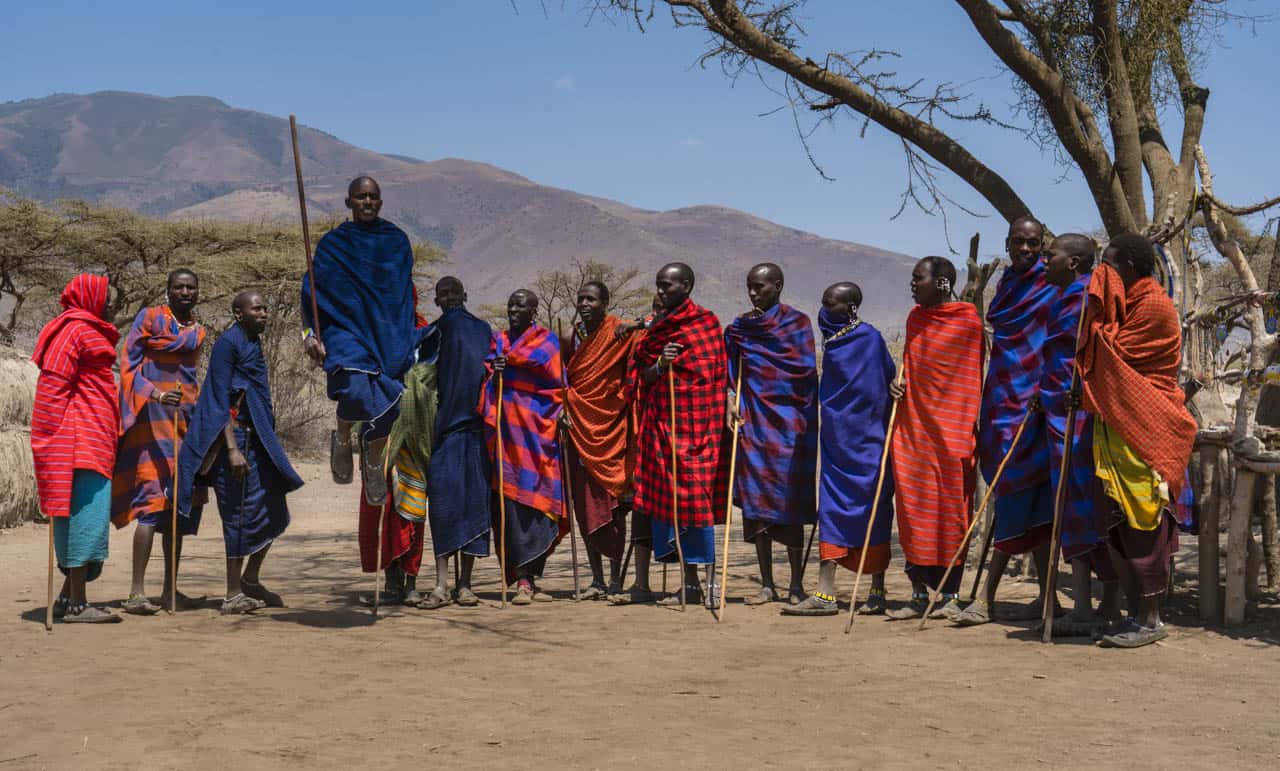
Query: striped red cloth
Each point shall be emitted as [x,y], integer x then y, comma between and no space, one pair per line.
[700,375]
[1129,353]
[934,441]
[75,420]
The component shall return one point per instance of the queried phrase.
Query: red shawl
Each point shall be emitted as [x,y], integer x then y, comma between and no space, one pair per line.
[76,415]
[700,376]
[1128,355]
[597,404]
[934,440]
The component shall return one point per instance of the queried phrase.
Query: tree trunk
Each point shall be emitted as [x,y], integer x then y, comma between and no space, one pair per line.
[1210,591]
[1237,547]
[1271,538]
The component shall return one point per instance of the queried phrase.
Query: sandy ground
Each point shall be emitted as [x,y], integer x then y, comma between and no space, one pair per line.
[318,685]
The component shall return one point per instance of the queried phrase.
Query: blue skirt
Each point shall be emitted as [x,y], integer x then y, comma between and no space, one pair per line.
[80,540]
[698,543]
[253,509]
[460,500]
[365,397]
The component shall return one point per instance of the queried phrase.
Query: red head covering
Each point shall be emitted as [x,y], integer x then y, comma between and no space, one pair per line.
[84,298]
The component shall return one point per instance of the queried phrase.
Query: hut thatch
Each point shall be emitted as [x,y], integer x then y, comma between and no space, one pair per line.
[17,479]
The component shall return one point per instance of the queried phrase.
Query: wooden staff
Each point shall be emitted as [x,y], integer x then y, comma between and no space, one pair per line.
[675,489]
[502,499]
[982,558]
[875,507]
[1060,496]
[804,566]
[565,438]
[173,520]
[964,542]
[382,511]
[728,506]
[306,229]
[48,611]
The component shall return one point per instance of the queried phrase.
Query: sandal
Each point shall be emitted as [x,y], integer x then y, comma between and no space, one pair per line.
[60,606]
[88,614]
[374,477]
[692,596]
[1135,638]
[466,598]
[257,591]
[633,596]
[438,598]
[593,592]
[816,604]
[138,605]
[766,595]
[240,604]
[524,595]
[913,609]
[950,611]
[341,465]
[876,605]
[796,595]
[977,614]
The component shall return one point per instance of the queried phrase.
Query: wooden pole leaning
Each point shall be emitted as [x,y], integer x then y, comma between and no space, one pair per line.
[875,508]
[502,498]
[173,520]
[982,558]
[382,512]
[964,542]
[675,487]
[306,229]
[565,480]
[1060,495]
[48,611]
[728,506]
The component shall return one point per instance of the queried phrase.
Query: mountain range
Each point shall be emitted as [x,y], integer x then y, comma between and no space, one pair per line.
[196,157]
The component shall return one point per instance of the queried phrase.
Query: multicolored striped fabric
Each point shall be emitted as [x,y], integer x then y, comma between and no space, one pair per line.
[934,440]
[1081,531]
[778,440]
[856,372]
[532,399]
[1019,319]
[159,355]
[700,374]
[76,417]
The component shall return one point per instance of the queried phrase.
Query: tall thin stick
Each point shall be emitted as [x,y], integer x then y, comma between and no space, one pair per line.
[804,566]
[1060,495]
[566,481]
[306,228]
[964,542]
[982,558]
[502,499]
[675,479]
[728,506]
[48,611]
[382,512]
[875,507]
[173,520]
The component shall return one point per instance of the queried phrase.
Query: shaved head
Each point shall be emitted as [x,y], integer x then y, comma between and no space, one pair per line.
[846,291]
[767,271]
[525,297]
[1078,245]
[449,284]
[360,182]
[244,299]
[680,271]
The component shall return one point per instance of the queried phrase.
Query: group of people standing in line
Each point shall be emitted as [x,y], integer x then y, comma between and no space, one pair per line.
[468,430]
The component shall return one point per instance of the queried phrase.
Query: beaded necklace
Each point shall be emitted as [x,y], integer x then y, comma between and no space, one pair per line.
[852,325]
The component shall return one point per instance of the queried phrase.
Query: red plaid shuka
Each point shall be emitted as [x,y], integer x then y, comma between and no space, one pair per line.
[700,377]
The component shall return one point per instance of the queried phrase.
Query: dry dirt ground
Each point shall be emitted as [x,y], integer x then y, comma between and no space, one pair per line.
[317,685]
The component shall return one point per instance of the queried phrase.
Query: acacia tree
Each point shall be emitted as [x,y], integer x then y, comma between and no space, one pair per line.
[557,292]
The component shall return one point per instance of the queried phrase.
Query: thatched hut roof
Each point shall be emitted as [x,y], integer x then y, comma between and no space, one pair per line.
[17,392]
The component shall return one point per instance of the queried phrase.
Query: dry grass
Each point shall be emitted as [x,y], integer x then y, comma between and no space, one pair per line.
[17,478]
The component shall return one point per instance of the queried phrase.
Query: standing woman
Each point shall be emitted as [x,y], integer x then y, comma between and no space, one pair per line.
[73,438]
[157,379]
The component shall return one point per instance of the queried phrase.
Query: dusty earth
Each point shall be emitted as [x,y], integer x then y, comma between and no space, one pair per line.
[318,685]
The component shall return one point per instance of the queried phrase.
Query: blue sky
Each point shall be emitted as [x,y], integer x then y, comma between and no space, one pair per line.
[602,109]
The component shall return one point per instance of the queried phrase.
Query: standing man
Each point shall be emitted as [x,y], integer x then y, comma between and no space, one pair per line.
[778,452]
[599,427]
[1130,350]
[1069,266]
[686,342]
[157,378]
[527,356]
[857,371]
[1019,319]
[459,470]
[934,442]
[368,338]
[232,446]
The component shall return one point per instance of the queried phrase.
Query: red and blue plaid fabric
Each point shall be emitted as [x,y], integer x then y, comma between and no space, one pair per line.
[1080,531]
[700,375]
[1019,318]
[778,441]
[532,398]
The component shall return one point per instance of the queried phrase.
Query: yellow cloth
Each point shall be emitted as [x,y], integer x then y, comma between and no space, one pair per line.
[411,488]
[1127,479]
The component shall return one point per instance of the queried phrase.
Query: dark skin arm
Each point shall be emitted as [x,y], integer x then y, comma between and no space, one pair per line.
[669,353]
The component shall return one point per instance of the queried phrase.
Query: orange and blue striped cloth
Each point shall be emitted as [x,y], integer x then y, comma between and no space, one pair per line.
[934,440]
[159,355]
[532,399]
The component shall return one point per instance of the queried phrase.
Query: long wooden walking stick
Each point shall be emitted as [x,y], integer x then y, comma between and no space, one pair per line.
[173,520]
[502,499]
[675,487]
[875,508]
[306,229]
[382,512]
[565,438]
[626,560]
[804,566]
[48,611]
[982,558]
[728,506]
[1060,496]
[964,542]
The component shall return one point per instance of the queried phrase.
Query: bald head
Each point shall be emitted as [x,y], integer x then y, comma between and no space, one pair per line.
[841,301]
[363,182]
[1070,256]
[522,306]
[674,284]
[764,286]
[450,293]
[364,199]
[249,309]
[244,299]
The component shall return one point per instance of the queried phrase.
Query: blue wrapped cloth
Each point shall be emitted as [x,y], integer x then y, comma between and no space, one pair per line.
[854,393]
[364,292]
[236,366]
